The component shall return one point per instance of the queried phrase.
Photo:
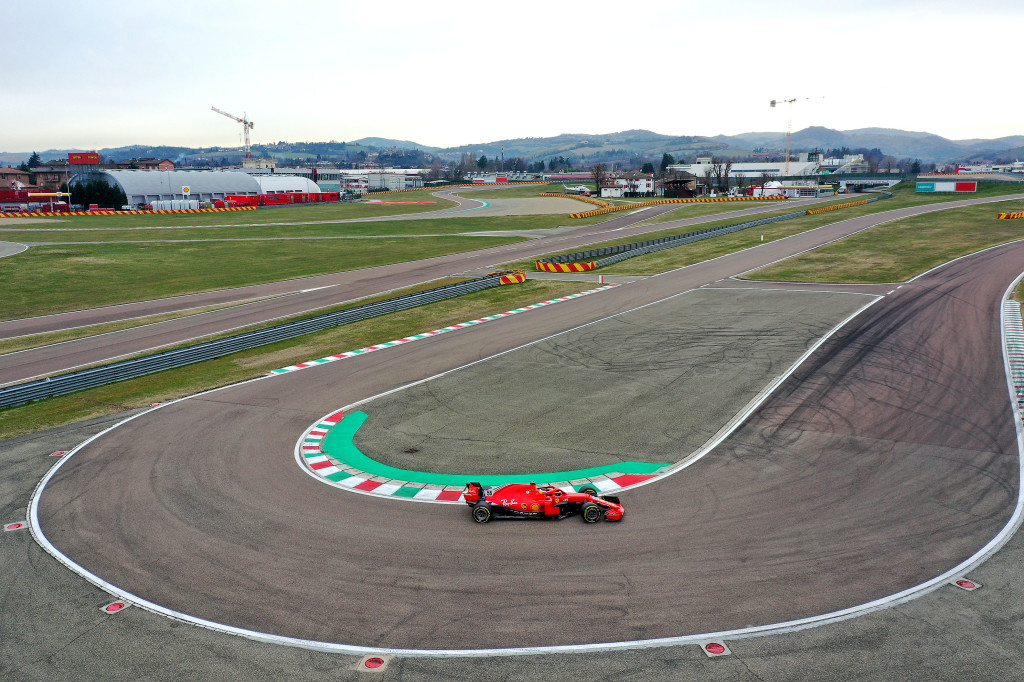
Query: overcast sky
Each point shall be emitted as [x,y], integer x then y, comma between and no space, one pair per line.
[108,73]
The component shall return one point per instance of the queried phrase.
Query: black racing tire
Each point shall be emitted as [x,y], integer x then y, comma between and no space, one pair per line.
[588,490]
[482,512]
[592,512]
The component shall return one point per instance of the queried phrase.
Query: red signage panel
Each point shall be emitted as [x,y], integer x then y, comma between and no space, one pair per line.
[966,187]
[83,157]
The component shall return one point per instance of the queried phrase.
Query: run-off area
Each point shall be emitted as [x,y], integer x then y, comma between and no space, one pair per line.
[650,385]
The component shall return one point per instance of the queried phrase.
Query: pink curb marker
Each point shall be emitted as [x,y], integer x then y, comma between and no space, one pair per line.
[114,607]
[17,525]
[714,649]
[375,663]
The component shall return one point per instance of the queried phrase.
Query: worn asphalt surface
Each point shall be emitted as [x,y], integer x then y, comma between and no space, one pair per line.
[293,297]
[887,458]
[289,298]
[652,385]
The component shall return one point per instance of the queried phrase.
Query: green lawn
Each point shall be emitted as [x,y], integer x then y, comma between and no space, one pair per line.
[696,210]
[189,380]
[696,252]
[49,279]
[897,251]
[508,192]
[433,226]
[35,340]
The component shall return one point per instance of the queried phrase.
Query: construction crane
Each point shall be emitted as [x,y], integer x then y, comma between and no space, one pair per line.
[247,125]
[789,122]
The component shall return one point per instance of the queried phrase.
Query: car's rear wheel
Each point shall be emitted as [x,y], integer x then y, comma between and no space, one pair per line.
[588,490]
[592,512]
[482,513]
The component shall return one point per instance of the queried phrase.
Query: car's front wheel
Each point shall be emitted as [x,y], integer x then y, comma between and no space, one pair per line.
[482,513]
[588,490]
[592,512]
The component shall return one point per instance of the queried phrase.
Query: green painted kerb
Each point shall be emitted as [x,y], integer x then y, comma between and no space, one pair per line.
[340,445]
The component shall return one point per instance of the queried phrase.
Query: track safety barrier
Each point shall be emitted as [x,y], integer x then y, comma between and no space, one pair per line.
[19,394]
[59,214]
[836,207]
[659,202]
[510,276]
[579,197]
[615,254]
[1011,216]
[565,267]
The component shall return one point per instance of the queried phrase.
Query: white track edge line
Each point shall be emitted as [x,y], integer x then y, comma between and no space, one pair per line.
[778,628]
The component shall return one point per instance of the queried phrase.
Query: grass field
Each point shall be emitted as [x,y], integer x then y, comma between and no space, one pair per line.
[652,264]
[696,252]
[696,210]
[35,340]
[433,226]
[49,279]
[257,362]
[890,252]
[510,192]
[897,251]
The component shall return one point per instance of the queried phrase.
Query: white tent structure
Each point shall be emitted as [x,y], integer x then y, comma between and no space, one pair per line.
[147,186]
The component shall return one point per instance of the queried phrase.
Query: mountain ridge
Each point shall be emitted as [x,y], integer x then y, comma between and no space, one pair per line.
[596,147]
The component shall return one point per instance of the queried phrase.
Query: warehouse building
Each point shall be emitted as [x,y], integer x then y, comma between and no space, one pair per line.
[147,186]
[285,184]
[390,182]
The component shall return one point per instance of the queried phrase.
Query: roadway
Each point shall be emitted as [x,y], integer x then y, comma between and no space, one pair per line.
[293,297]
[287,298]
[888,457]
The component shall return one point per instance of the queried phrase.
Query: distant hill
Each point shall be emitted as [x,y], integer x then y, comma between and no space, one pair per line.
[898,143]
[385,143]
[587,148]
[597,146]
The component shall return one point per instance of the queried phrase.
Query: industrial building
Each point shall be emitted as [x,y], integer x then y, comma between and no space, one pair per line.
[628,185]
[147,186]
[806,164]
[284,184]
[389,182]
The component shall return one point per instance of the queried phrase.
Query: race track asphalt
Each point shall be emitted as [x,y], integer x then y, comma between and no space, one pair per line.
[889,457]
[293,297]
[290,297]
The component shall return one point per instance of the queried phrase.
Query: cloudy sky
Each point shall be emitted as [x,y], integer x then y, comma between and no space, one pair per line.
[108,73]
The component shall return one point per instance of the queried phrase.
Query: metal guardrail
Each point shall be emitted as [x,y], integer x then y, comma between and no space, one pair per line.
[623,252]
[208,350]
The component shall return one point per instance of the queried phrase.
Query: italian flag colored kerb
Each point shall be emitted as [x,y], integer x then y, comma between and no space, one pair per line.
[443,330]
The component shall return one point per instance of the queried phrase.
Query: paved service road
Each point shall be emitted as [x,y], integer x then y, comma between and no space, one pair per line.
[291,297]
[888,458]
[11,249]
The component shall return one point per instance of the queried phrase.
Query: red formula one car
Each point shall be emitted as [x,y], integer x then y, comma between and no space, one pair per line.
[528,501]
